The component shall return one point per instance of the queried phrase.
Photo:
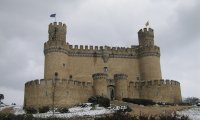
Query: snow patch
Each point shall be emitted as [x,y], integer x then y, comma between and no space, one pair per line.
[193,113]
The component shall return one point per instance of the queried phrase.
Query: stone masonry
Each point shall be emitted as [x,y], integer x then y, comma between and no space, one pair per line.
[73,73]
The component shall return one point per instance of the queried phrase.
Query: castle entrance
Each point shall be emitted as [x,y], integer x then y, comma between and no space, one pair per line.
[111,93]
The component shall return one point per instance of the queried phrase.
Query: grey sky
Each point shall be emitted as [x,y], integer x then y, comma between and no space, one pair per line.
[24,26]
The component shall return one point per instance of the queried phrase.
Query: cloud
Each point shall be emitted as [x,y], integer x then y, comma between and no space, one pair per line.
[24,29]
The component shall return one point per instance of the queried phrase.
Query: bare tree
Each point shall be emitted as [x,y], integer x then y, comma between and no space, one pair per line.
[53,91]
[192,100]
[1,98]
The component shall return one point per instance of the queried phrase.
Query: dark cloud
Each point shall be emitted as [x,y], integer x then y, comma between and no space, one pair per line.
[24,26]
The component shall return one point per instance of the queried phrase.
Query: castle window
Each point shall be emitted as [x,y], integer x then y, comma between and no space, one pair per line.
[56,74]
[64,65]
[70,76]
[105,69]
[138,78]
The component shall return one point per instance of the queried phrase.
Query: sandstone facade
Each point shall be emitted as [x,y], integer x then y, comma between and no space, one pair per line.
[74,73]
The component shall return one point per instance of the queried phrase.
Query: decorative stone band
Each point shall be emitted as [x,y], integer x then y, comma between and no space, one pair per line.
[82,53]
[148,51]
[97,76]
[120,76]
[154,83]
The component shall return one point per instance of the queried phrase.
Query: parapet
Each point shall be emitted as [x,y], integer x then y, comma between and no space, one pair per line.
[97,76]
[58,25]
[58,82]
[146,32]
[160,82]
[120,76]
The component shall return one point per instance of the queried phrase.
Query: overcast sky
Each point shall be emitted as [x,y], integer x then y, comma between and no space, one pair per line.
[24,29]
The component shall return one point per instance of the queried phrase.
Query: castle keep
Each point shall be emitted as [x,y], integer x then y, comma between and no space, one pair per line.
[74,73]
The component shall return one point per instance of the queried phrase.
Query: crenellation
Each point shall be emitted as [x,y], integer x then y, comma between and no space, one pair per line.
[91,47]
[76,47]
[86,47]
[96,47]
[81,47]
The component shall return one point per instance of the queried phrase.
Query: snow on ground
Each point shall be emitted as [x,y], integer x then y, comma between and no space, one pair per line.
[18,110]
[76,111]
[73,112]
[193,113]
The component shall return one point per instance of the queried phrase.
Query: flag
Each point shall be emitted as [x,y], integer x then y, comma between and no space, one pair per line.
[53,15]
[147,24]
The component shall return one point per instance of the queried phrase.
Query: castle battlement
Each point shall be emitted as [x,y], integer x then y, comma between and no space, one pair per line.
[120,76]
[146,31]
[57,82]
[160,82]
[97,76]
[59,25]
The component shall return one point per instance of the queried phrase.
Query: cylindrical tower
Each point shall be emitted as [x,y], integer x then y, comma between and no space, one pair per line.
[100,84]
[149,56]
[54,51]
[121,86]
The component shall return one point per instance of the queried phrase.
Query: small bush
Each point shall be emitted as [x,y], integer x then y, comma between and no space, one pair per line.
[63,110]
[184,104]
[144,102]
[30,110]
[44,109]
[93,99]
[102,101]
[105,102]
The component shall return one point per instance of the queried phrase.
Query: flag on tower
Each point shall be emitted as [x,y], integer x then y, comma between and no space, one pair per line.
[53,15]
[147,23]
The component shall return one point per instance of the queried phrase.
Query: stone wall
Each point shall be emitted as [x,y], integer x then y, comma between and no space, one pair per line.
[159,90]
[67,92]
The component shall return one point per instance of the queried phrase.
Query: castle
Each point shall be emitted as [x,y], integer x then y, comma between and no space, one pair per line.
[72,74]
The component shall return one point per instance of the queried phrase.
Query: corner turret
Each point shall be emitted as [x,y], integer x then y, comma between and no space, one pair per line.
[146,37]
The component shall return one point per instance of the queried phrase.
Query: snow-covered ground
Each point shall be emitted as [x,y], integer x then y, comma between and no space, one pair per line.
[193,113]
[73,112]
[76,111]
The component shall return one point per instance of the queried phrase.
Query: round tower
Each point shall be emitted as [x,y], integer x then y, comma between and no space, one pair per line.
[149,55]
[54,51]
[100,84]
[121,86]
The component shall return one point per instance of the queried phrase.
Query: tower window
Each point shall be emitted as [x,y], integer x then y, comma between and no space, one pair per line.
[64,65]
[70,76]
[56,74]
[105,69]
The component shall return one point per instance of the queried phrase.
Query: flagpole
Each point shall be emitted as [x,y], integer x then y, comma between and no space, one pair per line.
[55,18]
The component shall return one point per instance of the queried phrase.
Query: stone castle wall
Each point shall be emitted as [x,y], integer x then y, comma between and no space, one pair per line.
[67,92]
[158,90]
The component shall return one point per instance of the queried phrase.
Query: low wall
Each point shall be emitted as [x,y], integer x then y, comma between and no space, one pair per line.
[158,90]
[66,92]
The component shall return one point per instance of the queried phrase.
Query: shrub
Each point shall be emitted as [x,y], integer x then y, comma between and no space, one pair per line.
[102,101]
[105,102]
[144,102]
[63,110]
[44,109]
[30,110]
[93,99]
